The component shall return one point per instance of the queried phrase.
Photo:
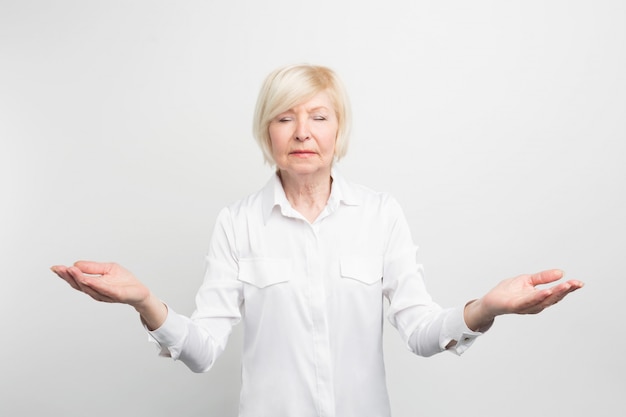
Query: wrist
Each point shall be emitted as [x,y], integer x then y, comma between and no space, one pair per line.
[145,303]
[476,316]
[152,311]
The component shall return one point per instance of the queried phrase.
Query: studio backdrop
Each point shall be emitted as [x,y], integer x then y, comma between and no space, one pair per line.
[125,126]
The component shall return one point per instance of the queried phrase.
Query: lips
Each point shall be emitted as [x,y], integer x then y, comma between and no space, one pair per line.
[302,152]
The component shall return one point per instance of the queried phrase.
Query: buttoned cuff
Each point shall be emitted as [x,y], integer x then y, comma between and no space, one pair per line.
[455,330]
[170,336]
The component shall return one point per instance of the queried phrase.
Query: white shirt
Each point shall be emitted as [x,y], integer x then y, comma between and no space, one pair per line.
[311,299]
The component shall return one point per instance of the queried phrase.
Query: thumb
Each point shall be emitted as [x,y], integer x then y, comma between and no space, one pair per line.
[95,268]
[546,277]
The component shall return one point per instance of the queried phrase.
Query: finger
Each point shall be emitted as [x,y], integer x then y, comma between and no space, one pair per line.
[79,282]
[61,272]
[78,277]
[546,277]
[551,296]
[534,302]
[576,284]
[96,295]
[99,297]
[94,286]
[87,284]
[559,292]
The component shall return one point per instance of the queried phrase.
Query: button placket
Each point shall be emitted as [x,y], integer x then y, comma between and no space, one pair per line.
[321,342]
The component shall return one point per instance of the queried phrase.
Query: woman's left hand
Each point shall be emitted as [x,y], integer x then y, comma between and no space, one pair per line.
[519,295]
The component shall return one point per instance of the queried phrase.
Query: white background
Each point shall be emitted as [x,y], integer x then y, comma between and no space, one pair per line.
[126,125]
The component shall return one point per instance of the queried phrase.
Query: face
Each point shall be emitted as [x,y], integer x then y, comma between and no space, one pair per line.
[303,137]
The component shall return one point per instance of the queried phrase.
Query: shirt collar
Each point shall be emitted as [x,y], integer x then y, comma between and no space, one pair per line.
[342,192]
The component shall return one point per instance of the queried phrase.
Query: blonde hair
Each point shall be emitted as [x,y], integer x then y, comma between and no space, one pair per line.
[289,86]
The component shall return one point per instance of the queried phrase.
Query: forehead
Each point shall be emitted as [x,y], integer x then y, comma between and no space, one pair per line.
[317,101]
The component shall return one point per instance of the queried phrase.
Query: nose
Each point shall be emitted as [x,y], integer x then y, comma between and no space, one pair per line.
[302,131]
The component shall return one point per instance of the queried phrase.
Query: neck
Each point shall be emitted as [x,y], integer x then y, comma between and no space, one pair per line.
[307,194]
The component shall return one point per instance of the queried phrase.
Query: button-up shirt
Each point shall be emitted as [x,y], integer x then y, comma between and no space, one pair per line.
[311,298]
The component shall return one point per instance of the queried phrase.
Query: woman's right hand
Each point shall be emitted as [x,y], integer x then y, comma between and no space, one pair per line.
[107,282]
[111,283]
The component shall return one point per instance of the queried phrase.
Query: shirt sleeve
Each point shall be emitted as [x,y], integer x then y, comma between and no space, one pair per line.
[424,326]
[198,341]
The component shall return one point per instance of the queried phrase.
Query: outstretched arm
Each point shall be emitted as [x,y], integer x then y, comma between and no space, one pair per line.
[111,283]
[518,295]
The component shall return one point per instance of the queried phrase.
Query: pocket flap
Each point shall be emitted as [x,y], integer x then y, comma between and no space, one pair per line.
[262,272]
[365,269]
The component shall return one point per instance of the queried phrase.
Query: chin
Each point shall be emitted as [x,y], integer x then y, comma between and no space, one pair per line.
[301,169]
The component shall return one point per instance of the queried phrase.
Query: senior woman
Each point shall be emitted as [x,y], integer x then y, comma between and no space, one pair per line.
[306,262]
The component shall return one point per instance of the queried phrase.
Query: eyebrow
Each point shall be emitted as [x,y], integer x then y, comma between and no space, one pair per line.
[318,108]
[311,110]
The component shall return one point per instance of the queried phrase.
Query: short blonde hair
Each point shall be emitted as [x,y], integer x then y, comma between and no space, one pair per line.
[289,86]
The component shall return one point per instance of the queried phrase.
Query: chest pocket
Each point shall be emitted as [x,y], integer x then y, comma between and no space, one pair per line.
[264,272]
[367,270]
